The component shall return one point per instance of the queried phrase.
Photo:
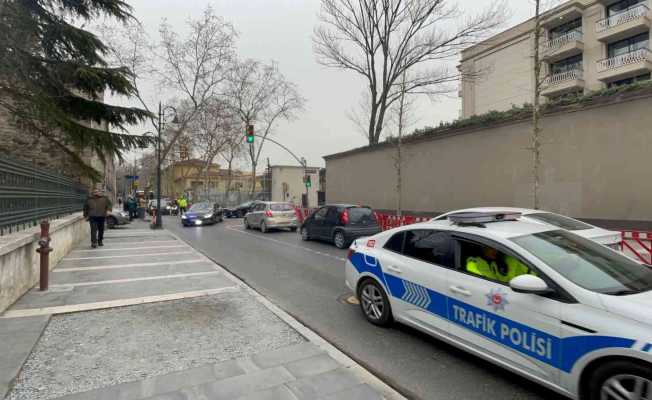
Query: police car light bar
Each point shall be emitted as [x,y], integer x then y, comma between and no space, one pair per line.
[475,218]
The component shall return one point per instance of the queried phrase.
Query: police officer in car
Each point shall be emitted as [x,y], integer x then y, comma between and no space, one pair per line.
[490,266]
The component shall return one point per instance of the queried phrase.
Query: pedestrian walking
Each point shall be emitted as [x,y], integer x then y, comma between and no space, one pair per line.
[142,205]
[95,210]
[132,207]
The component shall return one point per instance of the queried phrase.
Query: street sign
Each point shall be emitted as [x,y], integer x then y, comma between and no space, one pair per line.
[132,177]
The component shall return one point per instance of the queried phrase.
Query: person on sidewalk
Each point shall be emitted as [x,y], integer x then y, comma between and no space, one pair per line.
[132,208]
[142,207]
[95,210]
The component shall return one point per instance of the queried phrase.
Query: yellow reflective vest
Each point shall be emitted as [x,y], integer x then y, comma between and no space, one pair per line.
[514,268]
[479,266]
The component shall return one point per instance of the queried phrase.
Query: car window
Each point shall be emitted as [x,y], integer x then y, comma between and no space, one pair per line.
[490,263]
[560,221]
[430,246]
[333,215]
[281,207]
[360,215]
[588,264]
[321,213]
[395,243]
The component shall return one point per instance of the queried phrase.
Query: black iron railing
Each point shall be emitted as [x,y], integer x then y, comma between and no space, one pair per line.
[29,194]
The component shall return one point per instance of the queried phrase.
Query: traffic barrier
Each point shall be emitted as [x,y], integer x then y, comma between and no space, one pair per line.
[637,244]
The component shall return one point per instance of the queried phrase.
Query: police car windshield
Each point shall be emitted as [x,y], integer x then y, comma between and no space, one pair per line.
[588,264]
[560,221]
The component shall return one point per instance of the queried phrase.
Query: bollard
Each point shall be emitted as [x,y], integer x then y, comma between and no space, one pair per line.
[44,250]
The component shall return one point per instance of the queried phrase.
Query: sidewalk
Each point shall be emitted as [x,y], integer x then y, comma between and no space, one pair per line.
[148,317]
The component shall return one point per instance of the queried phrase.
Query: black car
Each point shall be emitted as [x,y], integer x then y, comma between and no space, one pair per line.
[203,214]
[241,210]
[340,224]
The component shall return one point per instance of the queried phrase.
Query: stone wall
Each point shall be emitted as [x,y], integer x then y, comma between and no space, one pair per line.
[595,165]
[20,263]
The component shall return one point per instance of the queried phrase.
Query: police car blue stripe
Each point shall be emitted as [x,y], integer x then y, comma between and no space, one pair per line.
[647,348]
[561,353]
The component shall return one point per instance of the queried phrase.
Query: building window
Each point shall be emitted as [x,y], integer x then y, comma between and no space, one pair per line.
[629,45]
[564,29]
[629,81]
[623,6]
[568,64]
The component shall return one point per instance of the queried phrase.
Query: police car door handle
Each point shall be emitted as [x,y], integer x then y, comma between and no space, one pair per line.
[394,269]
[460,291]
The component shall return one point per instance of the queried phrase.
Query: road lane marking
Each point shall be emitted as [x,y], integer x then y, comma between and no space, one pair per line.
[31,312]
[131,248]
[135,265]
[176,253]
[319,253]
[143,278]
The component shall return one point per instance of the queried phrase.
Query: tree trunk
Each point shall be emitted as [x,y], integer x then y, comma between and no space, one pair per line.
[399,159]
[536,110]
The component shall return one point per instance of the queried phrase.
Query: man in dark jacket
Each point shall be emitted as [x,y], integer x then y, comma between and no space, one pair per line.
[95,210]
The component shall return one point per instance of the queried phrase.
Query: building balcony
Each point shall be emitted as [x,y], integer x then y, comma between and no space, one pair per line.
[620,26]
[565,46]
[625,65]
[564,82]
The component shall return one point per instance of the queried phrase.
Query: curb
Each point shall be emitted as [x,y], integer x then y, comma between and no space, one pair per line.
[387,391]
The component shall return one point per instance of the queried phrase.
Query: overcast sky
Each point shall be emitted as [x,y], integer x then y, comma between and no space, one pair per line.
[281,30]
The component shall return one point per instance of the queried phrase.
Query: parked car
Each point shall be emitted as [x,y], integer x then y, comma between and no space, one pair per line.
[241,210]
[117,218]
[605,237]
[271,215]
[204,213]
[340,224]
[168,207]
[544,302]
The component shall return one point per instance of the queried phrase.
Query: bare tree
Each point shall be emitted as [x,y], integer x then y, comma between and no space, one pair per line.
[382,39]
[261,96]
[233,151]
[192,68]
[212,131]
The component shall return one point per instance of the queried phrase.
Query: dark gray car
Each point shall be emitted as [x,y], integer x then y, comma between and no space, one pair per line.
[340,224]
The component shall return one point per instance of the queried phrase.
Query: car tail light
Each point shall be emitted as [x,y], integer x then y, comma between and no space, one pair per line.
[350,254]
[344,219]
[268,213]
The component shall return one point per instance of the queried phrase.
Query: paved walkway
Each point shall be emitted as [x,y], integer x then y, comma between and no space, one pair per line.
[147,316]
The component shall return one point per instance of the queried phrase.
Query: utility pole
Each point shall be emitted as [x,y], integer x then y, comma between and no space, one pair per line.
[399,160]
[536,107]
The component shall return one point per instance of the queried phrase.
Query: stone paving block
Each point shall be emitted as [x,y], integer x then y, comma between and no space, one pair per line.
[360,392]
[275,393]
[286,355]
[178,380]
[312,366]
[312,387]
[228,369]
[232,388]
[124,391]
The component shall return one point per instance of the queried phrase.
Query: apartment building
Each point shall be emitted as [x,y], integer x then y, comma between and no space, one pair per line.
[586,45]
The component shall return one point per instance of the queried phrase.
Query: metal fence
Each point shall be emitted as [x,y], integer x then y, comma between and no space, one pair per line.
[29,194]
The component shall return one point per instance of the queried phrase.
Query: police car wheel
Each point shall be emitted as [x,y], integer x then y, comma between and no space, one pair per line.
[374,303]
[621,380]
[339,240]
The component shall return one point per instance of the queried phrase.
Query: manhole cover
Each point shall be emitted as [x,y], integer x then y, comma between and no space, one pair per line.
[349,299]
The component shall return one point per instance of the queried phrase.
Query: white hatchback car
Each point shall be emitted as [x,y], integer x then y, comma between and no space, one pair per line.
[608,238]
[543,302]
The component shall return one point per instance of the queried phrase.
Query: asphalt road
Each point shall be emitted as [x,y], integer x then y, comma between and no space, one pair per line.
[306,279]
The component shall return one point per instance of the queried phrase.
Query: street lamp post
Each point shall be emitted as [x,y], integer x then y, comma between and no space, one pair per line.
[161,115]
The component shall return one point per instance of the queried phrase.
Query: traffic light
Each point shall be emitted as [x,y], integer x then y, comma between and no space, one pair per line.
[307,181]
[250,133]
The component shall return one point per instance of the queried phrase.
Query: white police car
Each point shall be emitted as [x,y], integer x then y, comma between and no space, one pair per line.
[578,321]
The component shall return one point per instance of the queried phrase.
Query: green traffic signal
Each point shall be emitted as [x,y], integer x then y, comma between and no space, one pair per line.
[250,138]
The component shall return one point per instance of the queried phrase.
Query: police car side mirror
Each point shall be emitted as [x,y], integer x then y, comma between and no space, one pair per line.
[530,284]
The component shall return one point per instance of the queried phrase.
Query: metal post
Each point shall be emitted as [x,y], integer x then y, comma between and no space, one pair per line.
[159,214]
[44,251]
